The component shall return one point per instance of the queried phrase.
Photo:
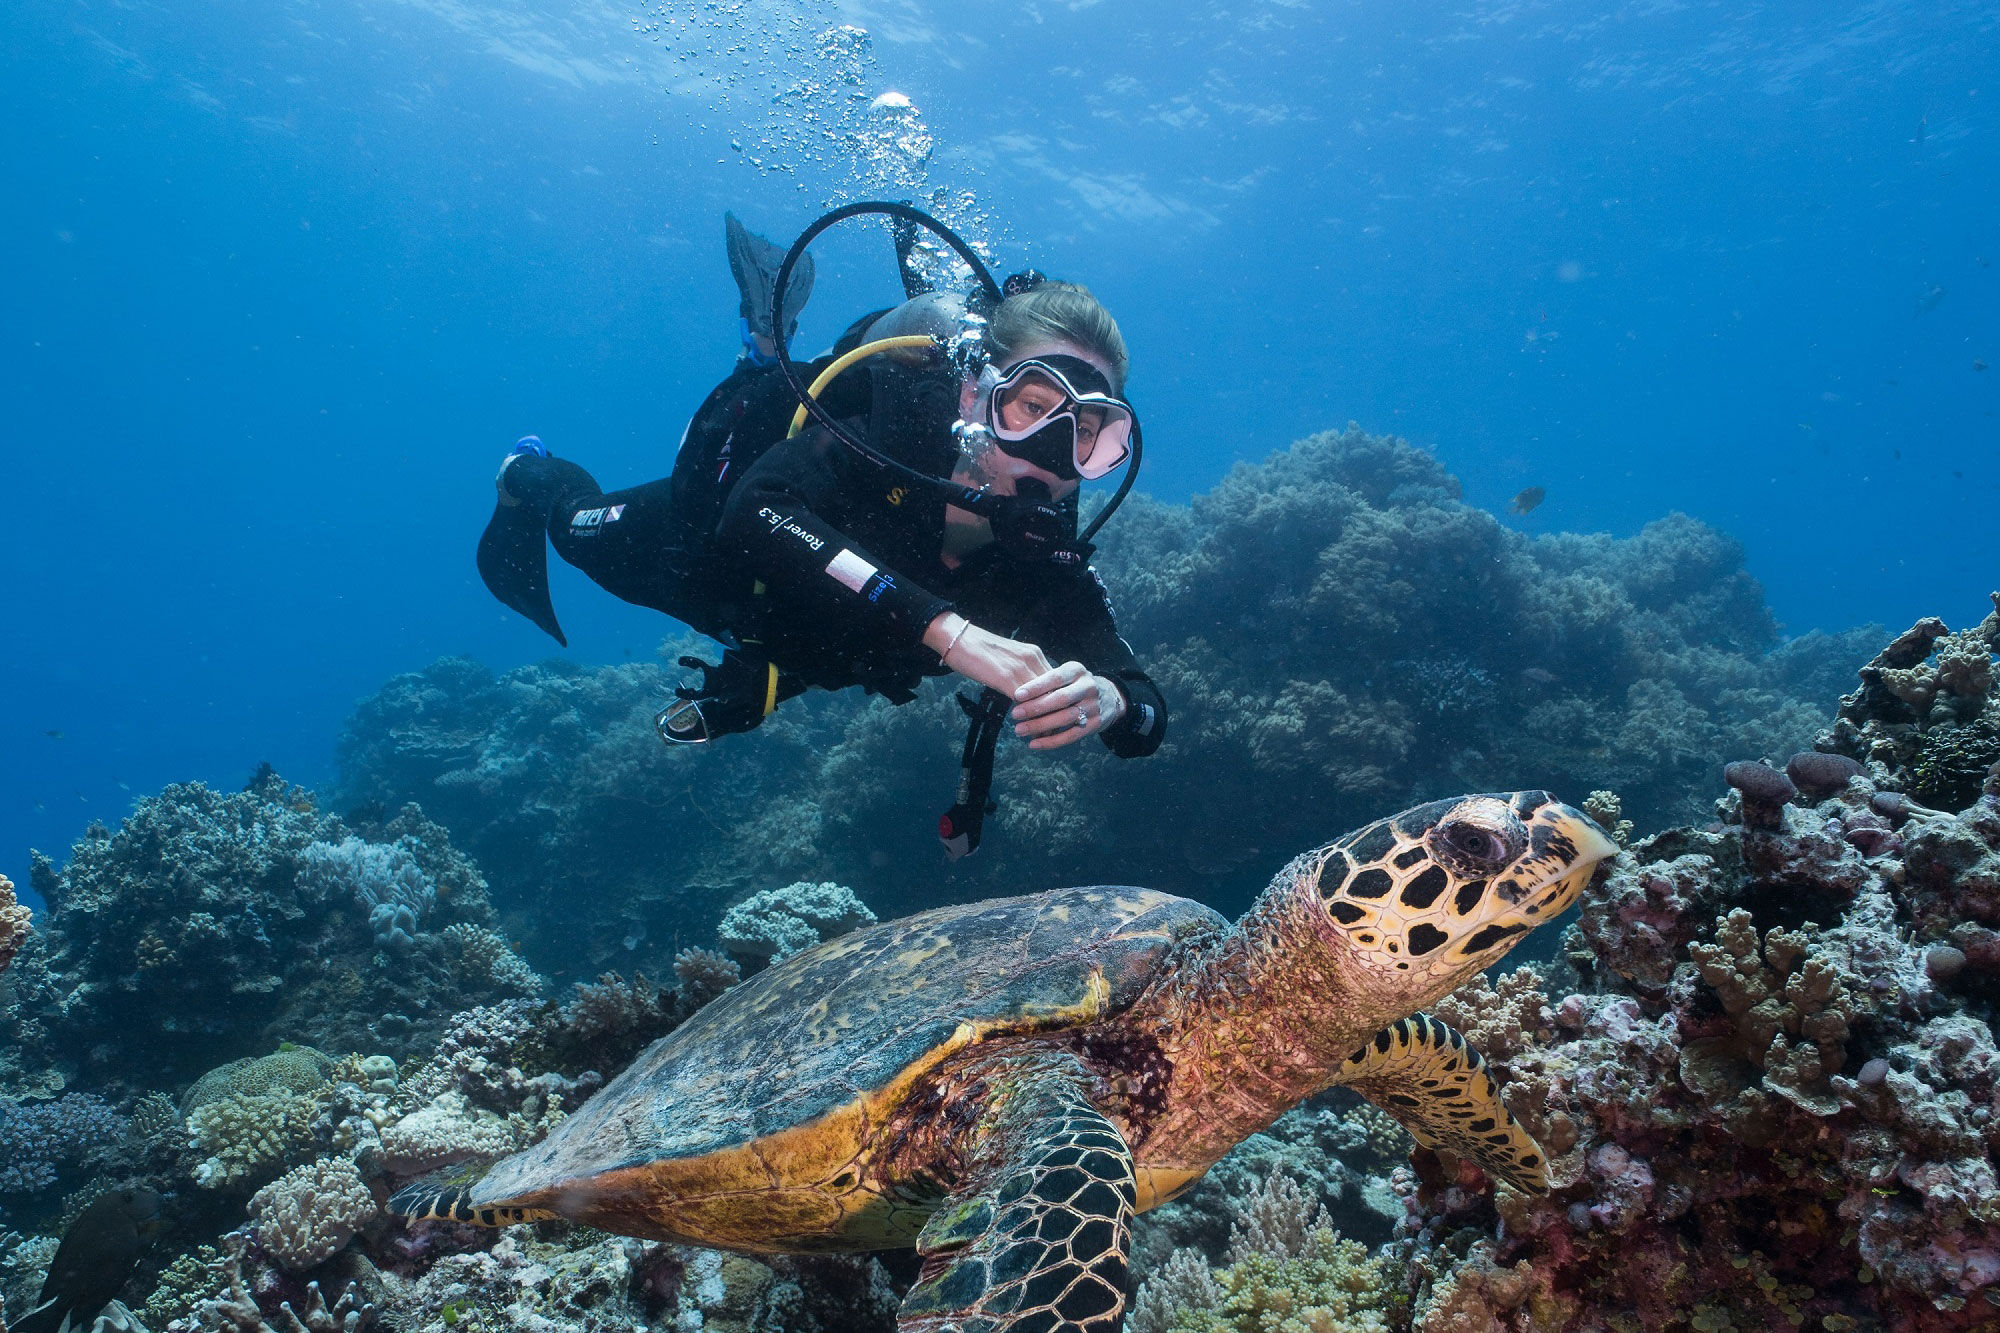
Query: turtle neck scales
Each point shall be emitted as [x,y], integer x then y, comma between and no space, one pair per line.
[1254,1020]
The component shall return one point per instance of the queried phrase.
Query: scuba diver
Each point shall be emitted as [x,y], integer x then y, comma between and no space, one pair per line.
[923,522]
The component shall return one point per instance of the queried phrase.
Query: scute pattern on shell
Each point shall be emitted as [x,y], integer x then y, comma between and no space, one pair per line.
[827,1028]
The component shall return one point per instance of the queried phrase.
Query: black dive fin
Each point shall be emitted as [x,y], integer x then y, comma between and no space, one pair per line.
[514,562]
[45,1318]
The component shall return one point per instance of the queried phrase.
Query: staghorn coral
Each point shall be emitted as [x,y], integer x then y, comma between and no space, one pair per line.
[778,923]
[14,923]
[304,1217]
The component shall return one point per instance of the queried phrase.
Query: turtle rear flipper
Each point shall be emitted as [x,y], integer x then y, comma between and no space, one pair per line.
[429,1201]
[1426,1075]
[1034,1239]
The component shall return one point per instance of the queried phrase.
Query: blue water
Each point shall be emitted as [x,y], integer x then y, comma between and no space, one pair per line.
[284,279]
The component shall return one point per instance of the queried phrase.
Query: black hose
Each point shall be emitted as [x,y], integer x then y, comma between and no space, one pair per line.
[798,387]
[968,498]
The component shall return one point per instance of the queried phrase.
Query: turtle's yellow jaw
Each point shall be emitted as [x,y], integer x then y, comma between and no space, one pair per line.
[1429,897]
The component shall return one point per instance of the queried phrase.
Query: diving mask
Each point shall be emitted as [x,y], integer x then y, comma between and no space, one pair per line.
[1058,413]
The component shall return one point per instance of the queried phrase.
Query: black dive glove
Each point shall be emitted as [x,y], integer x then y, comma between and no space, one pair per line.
[735,695]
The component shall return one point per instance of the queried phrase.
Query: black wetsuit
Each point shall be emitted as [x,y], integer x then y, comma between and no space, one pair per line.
[815,559]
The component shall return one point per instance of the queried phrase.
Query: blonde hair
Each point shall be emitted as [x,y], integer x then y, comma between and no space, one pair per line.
[1059,312]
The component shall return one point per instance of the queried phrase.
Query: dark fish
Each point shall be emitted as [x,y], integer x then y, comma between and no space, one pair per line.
[1528,499]
[1929,298]
[95,1259]
[53,735]
[1978,363]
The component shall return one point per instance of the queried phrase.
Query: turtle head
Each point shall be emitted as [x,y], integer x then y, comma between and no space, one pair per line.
[1426,898]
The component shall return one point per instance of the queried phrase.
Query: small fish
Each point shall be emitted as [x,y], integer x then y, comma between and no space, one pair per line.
[1538,675]
[1929,299]
[95,1259]
[1978,363]
[1528,499]
[53,734]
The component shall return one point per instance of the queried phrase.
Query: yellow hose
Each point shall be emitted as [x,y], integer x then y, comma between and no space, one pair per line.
[860,353]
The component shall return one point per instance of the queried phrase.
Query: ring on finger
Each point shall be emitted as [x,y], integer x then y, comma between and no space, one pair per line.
[1082,718]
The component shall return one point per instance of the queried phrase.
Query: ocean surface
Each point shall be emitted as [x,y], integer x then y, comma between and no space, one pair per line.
[284,279]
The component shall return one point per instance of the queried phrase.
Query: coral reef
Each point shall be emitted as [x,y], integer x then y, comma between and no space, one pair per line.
[778,923]
[1338,632]
[42,1143]
[1773,1097]
[305,1216]
[220,924]
[14,923]
[1288,1271]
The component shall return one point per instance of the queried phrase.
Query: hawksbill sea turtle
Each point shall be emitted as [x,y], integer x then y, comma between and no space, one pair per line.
[1005,1084]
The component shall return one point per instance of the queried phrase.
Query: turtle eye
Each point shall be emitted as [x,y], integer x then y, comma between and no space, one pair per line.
[1474,842]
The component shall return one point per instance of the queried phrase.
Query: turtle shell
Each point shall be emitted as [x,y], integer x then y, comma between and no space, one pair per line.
[749,1126]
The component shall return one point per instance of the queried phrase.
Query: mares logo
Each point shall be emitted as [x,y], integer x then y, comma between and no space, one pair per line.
[585,522]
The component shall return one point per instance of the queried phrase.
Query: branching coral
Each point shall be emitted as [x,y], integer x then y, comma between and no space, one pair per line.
[243,1137]
[1288,1272]
[40,1141]
[229,1305]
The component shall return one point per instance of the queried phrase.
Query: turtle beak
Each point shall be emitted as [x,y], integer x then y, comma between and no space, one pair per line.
[1565,849]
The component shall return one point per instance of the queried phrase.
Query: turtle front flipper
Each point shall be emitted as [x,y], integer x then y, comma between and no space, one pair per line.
[1034,1237]
[1426,1075]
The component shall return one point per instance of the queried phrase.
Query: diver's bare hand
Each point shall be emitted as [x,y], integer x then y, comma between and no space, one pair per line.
[984,657]
[1065,704]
